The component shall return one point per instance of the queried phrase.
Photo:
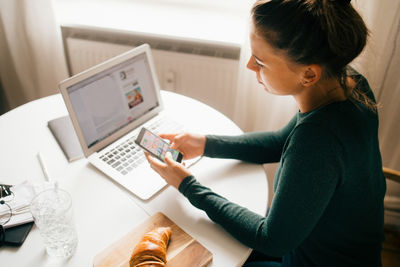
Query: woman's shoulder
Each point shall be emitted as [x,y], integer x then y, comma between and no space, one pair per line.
[341,114]
[344,120]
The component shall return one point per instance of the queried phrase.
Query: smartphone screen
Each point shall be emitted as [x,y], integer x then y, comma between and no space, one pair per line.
[156,146]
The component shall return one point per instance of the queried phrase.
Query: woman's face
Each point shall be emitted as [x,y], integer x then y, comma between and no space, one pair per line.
[274,71]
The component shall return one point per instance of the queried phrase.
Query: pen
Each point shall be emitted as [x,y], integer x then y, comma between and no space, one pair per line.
[43,167]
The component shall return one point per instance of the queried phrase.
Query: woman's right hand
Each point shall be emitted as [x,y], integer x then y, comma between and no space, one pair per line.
[189,144]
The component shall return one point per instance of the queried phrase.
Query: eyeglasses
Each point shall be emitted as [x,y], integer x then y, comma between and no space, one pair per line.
[6,195]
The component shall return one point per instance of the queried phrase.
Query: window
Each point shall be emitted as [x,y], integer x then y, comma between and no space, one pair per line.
[222,21]
[210,4]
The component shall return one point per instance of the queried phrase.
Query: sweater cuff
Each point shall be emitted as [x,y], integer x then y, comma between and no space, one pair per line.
[211,142]
[186,183]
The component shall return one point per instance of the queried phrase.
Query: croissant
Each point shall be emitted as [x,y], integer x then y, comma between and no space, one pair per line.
[151,251]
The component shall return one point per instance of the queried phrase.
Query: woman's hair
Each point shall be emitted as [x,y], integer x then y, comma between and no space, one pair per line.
[325,32]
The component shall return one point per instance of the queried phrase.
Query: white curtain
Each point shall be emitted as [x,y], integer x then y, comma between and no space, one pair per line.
[32,58]
[380,63]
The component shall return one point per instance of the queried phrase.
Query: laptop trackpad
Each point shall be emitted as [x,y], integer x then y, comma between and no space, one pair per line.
[144,182]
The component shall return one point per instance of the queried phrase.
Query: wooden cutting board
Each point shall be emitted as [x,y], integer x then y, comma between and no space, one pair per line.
[183,250]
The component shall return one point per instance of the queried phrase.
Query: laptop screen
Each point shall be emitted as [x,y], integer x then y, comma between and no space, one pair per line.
[113,98]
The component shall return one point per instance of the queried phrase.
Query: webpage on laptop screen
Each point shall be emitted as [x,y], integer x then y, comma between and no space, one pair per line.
[109,100]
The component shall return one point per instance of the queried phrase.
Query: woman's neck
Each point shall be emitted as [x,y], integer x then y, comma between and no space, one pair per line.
[319,95]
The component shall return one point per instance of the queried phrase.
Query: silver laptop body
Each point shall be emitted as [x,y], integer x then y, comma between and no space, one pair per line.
[107,103]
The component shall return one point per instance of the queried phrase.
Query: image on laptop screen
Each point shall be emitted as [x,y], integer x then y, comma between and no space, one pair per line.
[109,100]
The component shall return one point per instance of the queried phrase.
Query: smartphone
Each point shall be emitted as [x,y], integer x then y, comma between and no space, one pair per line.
[156,146]
[16,235]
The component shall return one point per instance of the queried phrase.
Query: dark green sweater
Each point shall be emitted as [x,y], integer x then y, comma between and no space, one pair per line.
[329,188]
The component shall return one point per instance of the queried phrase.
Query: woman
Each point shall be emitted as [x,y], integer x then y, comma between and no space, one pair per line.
[329,187]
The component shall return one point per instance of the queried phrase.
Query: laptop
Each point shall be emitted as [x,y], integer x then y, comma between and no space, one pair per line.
[108,104]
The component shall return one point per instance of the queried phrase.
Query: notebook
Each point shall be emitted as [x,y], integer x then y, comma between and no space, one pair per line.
[108,104]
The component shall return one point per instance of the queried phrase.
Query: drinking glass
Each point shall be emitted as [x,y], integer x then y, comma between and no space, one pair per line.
[52,213]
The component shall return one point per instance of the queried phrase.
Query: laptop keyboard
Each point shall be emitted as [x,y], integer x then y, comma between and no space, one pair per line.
[127,156]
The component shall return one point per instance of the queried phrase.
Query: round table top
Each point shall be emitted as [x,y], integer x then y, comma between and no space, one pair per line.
[103,211]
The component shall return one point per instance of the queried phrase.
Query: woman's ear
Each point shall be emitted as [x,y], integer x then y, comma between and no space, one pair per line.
[311,75]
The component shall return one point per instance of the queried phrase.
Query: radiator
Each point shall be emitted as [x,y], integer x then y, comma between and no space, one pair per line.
[204,71]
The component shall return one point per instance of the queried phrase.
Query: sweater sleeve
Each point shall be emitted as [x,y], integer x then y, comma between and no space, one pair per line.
[310,171]
[256,147]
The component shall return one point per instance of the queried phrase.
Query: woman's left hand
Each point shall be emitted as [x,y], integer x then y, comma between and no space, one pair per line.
[172,171]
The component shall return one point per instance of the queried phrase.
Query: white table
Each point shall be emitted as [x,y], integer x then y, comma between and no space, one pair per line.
[103,211]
